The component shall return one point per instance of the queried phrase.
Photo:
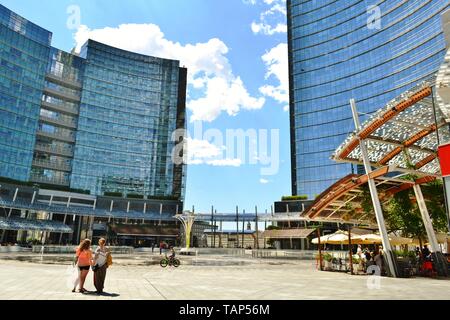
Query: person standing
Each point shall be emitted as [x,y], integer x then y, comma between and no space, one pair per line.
[84,262]
[100,265]
[426,253]
[379,260]
[153,247]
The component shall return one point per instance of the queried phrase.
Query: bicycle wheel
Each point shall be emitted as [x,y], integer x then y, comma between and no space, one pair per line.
[176,263]
[164,263]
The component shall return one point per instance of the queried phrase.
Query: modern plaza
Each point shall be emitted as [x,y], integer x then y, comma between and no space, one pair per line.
[214,277]
[93,146]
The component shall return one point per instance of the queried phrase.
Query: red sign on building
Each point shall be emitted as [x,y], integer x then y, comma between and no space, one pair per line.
[444,158]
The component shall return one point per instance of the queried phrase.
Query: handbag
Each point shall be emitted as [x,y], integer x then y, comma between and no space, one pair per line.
[95,268]
[109,260]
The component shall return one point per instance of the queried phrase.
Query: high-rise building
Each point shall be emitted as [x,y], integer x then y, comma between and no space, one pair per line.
[339,50]
[87,126]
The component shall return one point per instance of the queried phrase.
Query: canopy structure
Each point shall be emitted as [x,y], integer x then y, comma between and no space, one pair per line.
[398,147]
[401,140]
[143,231]
[34,225]
[287,234]
[402,134]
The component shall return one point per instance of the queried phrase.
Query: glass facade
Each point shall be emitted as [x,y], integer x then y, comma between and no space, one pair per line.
[127,115]
[338,52]
[24,50]
[55,139]
[100,121]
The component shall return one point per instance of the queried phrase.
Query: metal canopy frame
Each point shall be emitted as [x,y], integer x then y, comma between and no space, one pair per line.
[409,122]
[401,140]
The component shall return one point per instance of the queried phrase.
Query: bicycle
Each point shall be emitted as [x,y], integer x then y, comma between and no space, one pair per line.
[168,261]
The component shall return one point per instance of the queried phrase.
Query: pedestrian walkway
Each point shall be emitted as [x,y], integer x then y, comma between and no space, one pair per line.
[32,281]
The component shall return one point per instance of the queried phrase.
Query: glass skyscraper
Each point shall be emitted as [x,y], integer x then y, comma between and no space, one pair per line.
[101,121]
[341,49]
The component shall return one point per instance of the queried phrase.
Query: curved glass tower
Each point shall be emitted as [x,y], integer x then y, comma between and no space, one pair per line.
[100,122]
[128,112]
[341,49]
[24,52]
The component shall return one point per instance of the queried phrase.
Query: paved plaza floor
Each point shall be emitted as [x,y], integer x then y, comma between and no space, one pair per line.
[251,279]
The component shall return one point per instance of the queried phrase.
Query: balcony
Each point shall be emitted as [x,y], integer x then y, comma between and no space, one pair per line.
[60,108]
[43,179]
[53,150]
[63,81]
[56,136]
[55,165]
[72,124]
[62,95]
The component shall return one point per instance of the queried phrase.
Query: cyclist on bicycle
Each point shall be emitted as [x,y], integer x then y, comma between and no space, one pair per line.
[172,253]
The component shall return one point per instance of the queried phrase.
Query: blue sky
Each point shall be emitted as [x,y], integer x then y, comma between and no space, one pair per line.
[236,55]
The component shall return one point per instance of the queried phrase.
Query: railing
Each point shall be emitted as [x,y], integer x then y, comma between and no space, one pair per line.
[43,179]
[57,165]
[53,149]
[221,251]
[59,136]
[61,121]
[290,254]
[60,107]
[71,249]
[11,249]
[62,94]
[67,81]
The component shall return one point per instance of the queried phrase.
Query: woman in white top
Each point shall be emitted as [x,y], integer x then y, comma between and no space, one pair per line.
[100,265]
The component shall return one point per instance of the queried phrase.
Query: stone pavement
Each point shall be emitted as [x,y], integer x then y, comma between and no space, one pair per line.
[262,280]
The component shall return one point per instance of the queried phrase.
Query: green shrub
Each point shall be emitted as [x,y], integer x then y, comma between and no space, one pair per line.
[114,194]
[290,198]
[163,197]
[327,257]
[135,196]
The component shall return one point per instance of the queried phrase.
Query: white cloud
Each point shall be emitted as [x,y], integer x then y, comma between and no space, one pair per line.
[225,162]
[210,76]
[263,181]
[204,152]
[272,20]
[276,61]
[199,149]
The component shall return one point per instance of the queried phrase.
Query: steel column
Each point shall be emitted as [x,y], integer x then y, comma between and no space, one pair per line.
[390,257]
[237,227]
[441,264]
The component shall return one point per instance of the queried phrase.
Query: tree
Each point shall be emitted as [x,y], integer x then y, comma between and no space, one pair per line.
[435,200]
[403,215]
[402,212]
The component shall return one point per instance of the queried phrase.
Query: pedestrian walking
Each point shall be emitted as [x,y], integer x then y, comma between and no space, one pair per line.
[100,265]
[84,262]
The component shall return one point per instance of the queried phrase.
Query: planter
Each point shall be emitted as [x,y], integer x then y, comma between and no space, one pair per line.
[356,267]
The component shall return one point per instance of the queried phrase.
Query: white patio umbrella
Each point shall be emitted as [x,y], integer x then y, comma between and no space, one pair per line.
[440,237]
[339,237]
[373,238]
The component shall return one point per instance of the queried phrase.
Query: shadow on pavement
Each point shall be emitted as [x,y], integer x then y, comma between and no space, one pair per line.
[103,294]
